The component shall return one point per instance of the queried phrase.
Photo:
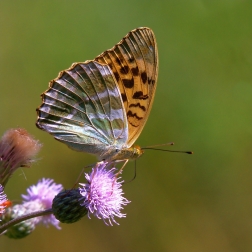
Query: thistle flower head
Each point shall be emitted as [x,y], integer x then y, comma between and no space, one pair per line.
[102,194]
[17,149]
[40,197]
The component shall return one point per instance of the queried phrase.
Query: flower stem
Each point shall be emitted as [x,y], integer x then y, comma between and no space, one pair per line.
[23,218]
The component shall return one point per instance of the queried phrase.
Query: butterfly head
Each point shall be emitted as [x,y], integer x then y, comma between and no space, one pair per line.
[136,151]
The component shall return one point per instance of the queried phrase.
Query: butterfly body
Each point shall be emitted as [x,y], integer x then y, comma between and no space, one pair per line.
[130,153]
[100,106]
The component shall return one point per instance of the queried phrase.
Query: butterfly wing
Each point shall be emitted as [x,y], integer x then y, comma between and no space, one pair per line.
[83,109]
[134,63]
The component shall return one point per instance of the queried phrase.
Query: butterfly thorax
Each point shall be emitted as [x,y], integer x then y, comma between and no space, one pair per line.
[130,153]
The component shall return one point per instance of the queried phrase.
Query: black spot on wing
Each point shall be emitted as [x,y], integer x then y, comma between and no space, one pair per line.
[116,76]
[128,83]
[135,71]
[133,125]
[139,95]
[124,97]
[144,77]
[124,70]
[131,59]
[118,61]
[138,105]
[130,114]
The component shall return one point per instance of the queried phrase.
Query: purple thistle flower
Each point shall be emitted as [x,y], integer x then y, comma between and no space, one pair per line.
[40,197]
[3,200]
[102,195]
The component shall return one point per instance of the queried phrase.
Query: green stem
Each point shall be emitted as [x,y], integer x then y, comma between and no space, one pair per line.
[23,218]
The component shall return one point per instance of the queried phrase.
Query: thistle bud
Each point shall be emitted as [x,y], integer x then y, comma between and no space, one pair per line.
[17,149]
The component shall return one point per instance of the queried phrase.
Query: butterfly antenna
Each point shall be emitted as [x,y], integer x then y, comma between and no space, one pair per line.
[158,145]
[153,147]
[186,152]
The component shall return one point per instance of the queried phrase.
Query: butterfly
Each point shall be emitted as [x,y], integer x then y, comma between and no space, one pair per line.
[100,106]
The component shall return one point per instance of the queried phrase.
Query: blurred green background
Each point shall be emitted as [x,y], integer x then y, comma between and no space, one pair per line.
[180,203]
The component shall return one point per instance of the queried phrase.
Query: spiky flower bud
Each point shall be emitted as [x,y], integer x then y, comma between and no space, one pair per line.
[23,228]
[66,206]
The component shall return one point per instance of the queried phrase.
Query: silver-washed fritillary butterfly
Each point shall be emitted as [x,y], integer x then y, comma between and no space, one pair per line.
[100,106]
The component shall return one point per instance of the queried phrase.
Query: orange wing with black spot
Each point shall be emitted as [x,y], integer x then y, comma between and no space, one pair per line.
[134,63]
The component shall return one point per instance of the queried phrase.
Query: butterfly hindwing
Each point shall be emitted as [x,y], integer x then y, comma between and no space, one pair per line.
[83,109]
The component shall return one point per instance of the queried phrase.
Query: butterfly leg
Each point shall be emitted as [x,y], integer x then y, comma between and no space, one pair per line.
[121,169]
[119,172]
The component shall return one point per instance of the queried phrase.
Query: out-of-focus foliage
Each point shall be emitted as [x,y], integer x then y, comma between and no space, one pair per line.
[180,203]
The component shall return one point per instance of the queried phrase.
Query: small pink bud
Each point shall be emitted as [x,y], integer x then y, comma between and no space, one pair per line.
[17,149]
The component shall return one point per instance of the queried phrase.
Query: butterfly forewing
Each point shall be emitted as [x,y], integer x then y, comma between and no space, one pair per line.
[83,108]
[134,63]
